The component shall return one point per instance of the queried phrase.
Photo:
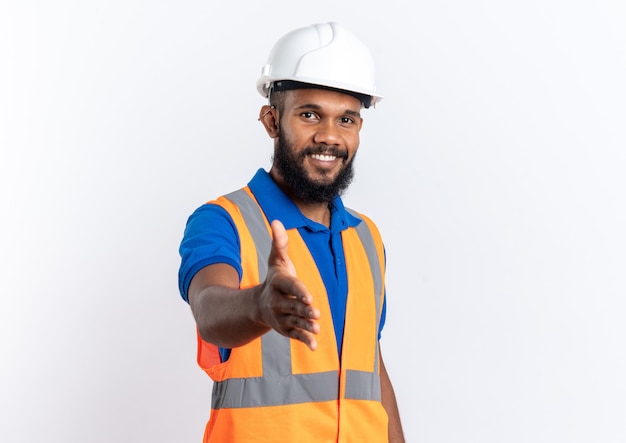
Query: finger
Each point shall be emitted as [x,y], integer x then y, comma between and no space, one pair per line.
[303,310]
[278,253]
[297,295]
[305,337]
[293,322]
[279,239]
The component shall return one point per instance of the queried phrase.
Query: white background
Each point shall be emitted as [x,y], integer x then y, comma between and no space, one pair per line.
[494,167]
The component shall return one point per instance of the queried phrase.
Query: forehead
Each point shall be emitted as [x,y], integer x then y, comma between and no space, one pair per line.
[323,99]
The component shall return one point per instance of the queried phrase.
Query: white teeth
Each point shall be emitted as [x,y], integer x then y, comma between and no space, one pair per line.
[323,157]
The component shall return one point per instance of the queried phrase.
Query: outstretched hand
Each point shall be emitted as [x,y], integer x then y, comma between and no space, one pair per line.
[285,304]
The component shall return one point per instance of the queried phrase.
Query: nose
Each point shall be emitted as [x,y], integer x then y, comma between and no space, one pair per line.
[327,133]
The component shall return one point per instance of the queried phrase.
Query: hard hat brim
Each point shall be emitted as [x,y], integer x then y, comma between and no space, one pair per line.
[288,85]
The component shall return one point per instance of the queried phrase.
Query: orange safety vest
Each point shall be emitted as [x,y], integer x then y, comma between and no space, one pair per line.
[275,389]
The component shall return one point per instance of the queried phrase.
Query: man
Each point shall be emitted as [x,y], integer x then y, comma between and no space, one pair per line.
[285,284]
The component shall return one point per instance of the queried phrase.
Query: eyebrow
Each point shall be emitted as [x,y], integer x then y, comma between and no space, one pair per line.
[318,107]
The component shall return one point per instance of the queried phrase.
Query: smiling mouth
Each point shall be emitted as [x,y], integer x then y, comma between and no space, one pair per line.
[324,157]
[325,153]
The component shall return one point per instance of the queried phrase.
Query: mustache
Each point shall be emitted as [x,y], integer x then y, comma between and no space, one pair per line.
[325,150]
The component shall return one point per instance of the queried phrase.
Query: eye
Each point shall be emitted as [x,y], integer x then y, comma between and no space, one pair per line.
[308,115]
[346,120]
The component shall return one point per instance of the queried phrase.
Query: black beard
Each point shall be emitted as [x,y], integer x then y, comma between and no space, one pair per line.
[295,177]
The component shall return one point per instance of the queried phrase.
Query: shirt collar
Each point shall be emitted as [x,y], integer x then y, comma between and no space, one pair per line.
[276,205]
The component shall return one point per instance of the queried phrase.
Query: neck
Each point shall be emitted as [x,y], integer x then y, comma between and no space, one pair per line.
[318,212]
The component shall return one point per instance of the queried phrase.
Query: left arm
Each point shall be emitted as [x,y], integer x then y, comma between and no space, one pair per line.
[388,398]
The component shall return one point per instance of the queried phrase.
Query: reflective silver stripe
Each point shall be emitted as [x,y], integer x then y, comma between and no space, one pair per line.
[255,221]
[279,386]
[365,235]
[275,347]
[275,391]
[361,385]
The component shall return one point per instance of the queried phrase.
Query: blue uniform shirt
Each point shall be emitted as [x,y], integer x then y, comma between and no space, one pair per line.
[211,237]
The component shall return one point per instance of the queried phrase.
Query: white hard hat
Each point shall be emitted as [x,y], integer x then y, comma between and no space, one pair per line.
[325,55]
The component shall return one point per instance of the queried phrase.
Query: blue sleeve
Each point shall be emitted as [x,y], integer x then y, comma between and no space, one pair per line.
[210,237]
[383,316]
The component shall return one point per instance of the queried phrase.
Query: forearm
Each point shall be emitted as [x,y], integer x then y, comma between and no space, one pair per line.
[388,398]
[226,317]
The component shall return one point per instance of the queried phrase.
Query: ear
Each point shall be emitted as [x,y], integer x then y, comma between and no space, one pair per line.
[268,116]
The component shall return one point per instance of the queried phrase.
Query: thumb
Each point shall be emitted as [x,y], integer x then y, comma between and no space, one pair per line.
[279,255]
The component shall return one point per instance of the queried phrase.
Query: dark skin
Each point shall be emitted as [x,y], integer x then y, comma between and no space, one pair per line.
[230,317]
